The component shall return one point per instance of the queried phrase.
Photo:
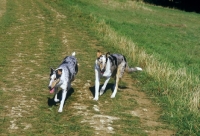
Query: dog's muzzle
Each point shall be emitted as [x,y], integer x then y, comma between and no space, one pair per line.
[102,71]
[51,90]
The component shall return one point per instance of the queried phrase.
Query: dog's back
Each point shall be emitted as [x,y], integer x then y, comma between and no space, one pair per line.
[69,64]
[117,59]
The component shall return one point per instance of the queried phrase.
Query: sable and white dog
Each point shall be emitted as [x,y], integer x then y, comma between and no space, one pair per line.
[62,77]
[110,65]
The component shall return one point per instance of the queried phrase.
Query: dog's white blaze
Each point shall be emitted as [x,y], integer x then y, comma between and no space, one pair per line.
[52,79]
[104,61]
[101,62]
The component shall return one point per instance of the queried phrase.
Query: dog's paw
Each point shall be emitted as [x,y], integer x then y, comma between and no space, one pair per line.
[60,110]
[95,99]
[112,96]
[56,100]
[101,92]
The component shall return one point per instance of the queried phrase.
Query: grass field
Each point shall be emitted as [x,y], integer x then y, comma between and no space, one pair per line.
[37,35]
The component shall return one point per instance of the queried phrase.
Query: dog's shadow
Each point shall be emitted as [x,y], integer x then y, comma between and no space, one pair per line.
[108,87]
[51,101]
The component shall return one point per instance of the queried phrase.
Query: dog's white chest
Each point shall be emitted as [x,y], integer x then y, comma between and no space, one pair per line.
[107,72]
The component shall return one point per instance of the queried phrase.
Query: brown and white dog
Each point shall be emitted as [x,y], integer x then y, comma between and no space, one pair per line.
[110,65]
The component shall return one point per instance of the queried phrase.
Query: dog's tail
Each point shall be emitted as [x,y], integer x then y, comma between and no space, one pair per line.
[73,54]
[129,70]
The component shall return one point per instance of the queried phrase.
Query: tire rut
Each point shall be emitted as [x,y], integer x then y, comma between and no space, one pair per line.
[147,111]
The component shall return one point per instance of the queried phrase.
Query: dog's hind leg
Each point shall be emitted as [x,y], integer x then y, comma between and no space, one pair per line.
[115,87]
[104,85]
[64,93]
[120,72]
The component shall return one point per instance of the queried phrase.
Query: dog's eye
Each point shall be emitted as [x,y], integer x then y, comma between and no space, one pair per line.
[54,78]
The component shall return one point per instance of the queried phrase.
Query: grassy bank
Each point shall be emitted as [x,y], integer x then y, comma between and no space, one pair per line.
[163,41]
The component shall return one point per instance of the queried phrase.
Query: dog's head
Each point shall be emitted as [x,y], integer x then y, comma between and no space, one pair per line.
[102,60]
[54,79]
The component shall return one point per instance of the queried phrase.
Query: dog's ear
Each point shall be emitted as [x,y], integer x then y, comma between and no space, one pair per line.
[59,71]
[52,70]
[99,53]
[107,54]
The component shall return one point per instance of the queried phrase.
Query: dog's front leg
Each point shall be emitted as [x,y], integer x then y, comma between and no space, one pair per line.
[56,99]
[56,96]
[97,80]
[64,93]
[104,85]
